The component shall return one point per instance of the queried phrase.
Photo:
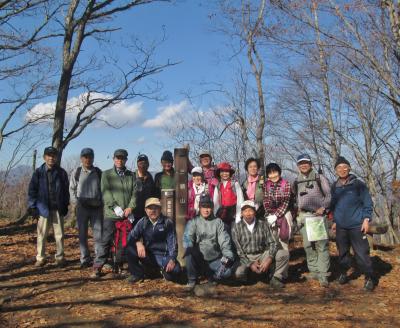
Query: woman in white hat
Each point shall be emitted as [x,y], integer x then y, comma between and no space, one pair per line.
[196,187]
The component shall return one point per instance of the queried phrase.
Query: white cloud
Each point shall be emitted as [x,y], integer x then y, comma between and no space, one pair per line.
[123,113]
[166,115]
[140,140]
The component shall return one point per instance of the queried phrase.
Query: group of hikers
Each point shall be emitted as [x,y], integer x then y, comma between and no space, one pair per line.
[233,231]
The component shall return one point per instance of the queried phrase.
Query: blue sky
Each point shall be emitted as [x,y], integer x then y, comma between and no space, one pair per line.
[190,41]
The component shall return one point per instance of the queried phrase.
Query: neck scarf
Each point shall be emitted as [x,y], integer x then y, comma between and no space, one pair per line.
[198,190]
[251,187]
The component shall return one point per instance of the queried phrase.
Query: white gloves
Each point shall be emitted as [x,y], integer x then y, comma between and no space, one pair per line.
[131,218]
[272,220]
[119,211]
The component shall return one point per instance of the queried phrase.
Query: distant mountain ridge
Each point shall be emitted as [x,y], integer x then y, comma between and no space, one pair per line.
[15,174]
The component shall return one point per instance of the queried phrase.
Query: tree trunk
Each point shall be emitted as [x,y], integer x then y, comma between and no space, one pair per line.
[60,111]
[325,83]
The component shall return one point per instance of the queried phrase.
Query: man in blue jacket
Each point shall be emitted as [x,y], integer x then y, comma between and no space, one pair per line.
[48,200]
[152,243]
[352,211]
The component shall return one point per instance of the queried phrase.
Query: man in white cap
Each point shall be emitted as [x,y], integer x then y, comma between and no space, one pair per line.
[313,196]
[257,248]
[152,243]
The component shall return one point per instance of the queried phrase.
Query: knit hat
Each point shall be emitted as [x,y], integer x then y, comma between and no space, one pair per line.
[167,156]
[341,160]
[224,166]
[206,201]
[142,158]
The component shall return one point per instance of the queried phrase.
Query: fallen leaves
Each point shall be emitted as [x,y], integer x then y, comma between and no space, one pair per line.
[53,296]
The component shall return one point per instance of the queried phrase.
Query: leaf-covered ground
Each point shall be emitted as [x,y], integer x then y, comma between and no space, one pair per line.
[67,297]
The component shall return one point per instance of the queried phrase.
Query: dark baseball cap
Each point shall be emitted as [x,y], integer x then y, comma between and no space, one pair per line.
[50,151]
[121,152]
[303,158]
[206,201]
[142,157]
[87,152]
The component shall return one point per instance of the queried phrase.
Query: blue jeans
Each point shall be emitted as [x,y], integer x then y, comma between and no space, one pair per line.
[196,266]
[137,265]
[84,215]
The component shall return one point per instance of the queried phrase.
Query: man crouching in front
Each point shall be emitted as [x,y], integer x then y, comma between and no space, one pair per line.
[207,246]
[257,248]
[152,245]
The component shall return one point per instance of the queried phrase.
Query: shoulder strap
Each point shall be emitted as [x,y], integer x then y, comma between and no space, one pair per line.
[98,171]
[77,174]
[233,186]
[295,187]
[318,180]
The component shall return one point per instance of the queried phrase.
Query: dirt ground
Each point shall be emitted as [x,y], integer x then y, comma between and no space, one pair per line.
[67,297]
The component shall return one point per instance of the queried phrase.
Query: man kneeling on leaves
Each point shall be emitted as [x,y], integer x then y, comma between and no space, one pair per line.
[207,246]
[258,250]
[152,245]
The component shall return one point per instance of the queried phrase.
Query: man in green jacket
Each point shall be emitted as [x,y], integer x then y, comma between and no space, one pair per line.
[166,178]
[118,186]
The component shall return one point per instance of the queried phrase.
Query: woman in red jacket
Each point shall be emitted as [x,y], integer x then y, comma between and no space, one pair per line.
[228,195]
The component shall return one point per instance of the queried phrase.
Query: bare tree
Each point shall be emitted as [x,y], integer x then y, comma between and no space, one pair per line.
[25,62]
[90,20]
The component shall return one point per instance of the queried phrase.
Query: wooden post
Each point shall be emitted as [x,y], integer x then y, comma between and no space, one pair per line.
[168,203]
[181,195]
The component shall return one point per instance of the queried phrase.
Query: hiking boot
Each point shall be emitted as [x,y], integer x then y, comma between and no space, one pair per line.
[311,276]
[369,284]
[40,263]
[61,263]
[86,265]
[108,268]
[323,281]
[190,286]
[133,280]
[343,279]
[212,282]
[96,273]
[276,283]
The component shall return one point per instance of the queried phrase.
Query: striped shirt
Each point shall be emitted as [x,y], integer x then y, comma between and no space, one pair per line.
[256,242]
